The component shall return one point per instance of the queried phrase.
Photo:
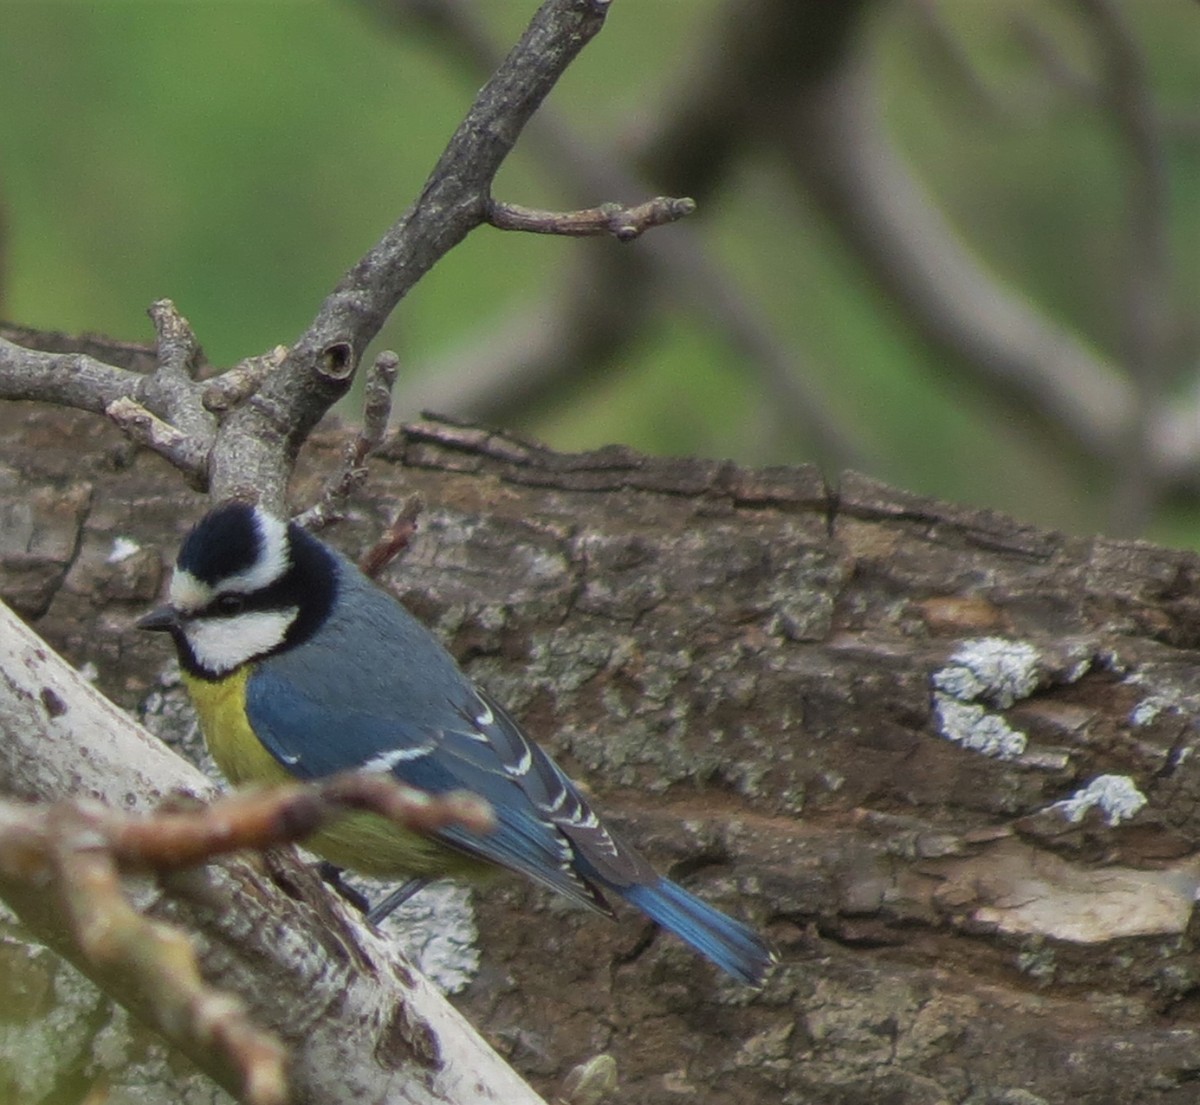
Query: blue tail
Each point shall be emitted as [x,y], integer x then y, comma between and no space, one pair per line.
[732,946]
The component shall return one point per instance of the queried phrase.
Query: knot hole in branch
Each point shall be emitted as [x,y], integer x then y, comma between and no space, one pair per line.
[337,361]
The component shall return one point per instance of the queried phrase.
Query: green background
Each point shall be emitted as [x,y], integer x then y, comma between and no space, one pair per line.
[238,155]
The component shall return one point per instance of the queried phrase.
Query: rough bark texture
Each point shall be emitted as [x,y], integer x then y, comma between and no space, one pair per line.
[910,740]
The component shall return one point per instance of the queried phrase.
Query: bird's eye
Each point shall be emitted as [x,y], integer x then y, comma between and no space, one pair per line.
[228,605]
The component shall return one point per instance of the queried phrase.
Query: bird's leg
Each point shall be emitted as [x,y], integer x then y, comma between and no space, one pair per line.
[396,899]
[331,874]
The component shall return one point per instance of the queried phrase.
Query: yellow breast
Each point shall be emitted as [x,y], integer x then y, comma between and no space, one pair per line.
[360,841]
[221,707]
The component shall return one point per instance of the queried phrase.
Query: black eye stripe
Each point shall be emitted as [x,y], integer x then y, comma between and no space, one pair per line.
[229,604]
[296,588]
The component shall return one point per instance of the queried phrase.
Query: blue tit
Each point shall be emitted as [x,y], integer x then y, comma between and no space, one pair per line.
[300,667]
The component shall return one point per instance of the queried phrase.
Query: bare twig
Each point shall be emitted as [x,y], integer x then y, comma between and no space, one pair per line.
[394,540]
[266,818]
[840,150]
[77,852]
[145,428]
[223,393]
[351,474]
[268,414]
[623,223]
[67,379]
[63,848]
[377,399]
[179,352]
[1060,71]
[160,410]
[171,390]
[137,357]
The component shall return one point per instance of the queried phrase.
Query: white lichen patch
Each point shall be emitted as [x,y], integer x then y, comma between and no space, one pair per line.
[438,932]
[122,549]
[993,669]
[1078,670]
[1147,710]
[1152,707]
[990,670]
[1117,797]
[977,729]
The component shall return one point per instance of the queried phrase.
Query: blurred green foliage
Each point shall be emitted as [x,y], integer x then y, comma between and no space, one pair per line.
[238,155]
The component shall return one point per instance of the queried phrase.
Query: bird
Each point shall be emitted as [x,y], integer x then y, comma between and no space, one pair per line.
[299,667]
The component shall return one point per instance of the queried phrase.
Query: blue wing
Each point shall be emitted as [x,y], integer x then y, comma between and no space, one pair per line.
[408,709]
[312,741]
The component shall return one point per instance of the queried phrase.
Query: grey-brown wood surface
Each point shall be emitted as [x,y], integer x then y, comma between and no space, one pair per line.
[944,759]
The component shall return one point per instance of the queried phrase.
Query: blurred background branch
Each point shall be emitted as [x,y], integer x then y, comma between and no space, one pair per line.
[950,247]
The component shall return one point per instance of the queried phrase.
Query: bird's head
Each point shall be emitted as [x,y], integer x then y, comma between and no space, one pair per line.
[245,585]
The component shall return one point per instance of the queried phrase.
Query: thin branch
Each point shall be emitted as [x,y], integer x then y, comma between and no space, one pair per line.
[395,540]
[268,414]
[623,223]
[179,353]
[267,818]
[841,152]
[138,357]
[145,428]
[1059,71]
[62,850]
[231,388]
[377,400]
[257,443]
[66,379]
[171,391]
[352,473]
[76,852]
[160,410]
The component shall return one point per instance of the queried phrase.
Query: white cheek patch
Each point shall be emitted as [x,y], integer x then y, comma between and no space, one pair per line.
[222,644]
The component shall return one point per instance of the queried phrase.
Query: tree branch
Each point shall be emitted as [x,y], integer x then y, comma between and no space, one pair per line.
[257,443]
[66,379]
[146,429]
[267,412]
[74,853]
[161,410]
[839,149]
[352,472]
[623,223]
[64,853]
[541,358]
[1146,294]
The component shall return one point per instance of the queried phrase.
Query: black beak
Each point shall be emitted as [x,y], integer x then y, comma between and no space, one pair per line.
[162,620]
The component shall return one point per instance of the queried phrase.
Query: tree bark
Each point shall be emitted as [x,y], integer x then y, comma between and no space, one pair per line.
[944,758]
